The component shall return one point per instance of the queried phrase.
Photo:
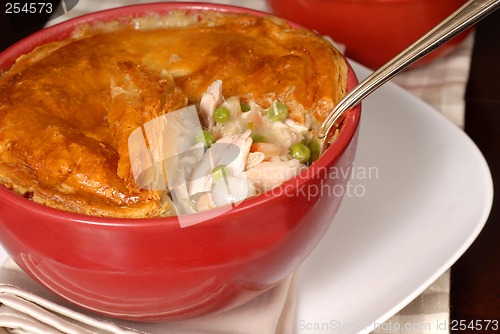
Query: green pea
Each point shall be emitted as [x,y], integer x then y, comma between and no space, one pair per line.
[206,138]
[219,173]
[315,148]
[300,152]
[277,112]
[221,115]
[256,138]
[244,107]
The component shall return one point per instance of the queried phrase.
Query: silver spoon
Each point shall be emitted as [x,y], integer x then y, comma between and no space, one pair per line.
[464,17]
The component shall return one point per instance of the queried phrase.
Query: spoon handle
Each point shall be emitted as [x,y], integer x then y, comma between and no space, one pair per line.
[464,17]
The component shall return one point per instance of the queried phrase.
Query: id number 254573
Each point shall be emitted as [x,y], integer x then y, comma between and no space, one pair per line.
[28,7]
[474,325]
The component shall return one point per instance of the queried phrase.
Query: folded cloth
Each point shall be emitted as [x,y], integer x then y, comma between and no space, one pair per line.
[426,314]
[26,307]
[442,82]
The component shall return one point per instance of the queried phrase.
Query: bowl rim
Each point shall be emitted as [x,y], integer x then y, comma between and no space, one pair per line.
[64,29]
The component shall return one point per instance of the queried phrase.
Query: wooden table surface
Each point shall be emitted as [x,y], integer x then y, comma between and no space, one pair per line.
[475,277]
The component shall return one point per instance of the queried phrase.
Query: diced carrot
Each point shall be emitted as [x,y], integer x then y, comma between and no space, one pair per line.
[269,149]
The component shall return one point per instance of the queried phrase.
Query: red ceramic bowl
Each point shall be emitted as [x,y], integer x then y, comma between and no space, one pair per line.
[374,31]
[152,269]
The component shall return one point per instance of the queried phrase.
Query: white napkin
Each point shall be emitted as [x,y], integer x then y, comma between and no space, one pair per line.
[26,307]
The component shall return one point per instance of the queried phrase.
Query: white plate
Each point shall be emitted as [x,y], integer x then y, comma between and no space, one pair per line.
[421,194]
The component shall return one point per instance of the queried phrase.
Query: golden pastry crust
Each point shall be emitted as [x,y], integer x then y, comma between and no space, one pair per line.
[67,108]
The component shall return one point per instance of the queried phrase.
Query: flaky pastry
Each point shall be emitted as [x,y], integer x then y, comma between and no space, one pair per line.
[68,107]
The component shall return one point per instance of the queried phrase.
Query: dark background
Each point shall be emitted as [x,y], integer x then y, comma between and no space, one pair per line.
[475,277]
[13,27]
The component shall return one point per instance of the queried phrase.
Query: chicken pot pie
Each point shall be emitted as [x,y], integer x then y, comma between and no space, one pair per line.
[68,108]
